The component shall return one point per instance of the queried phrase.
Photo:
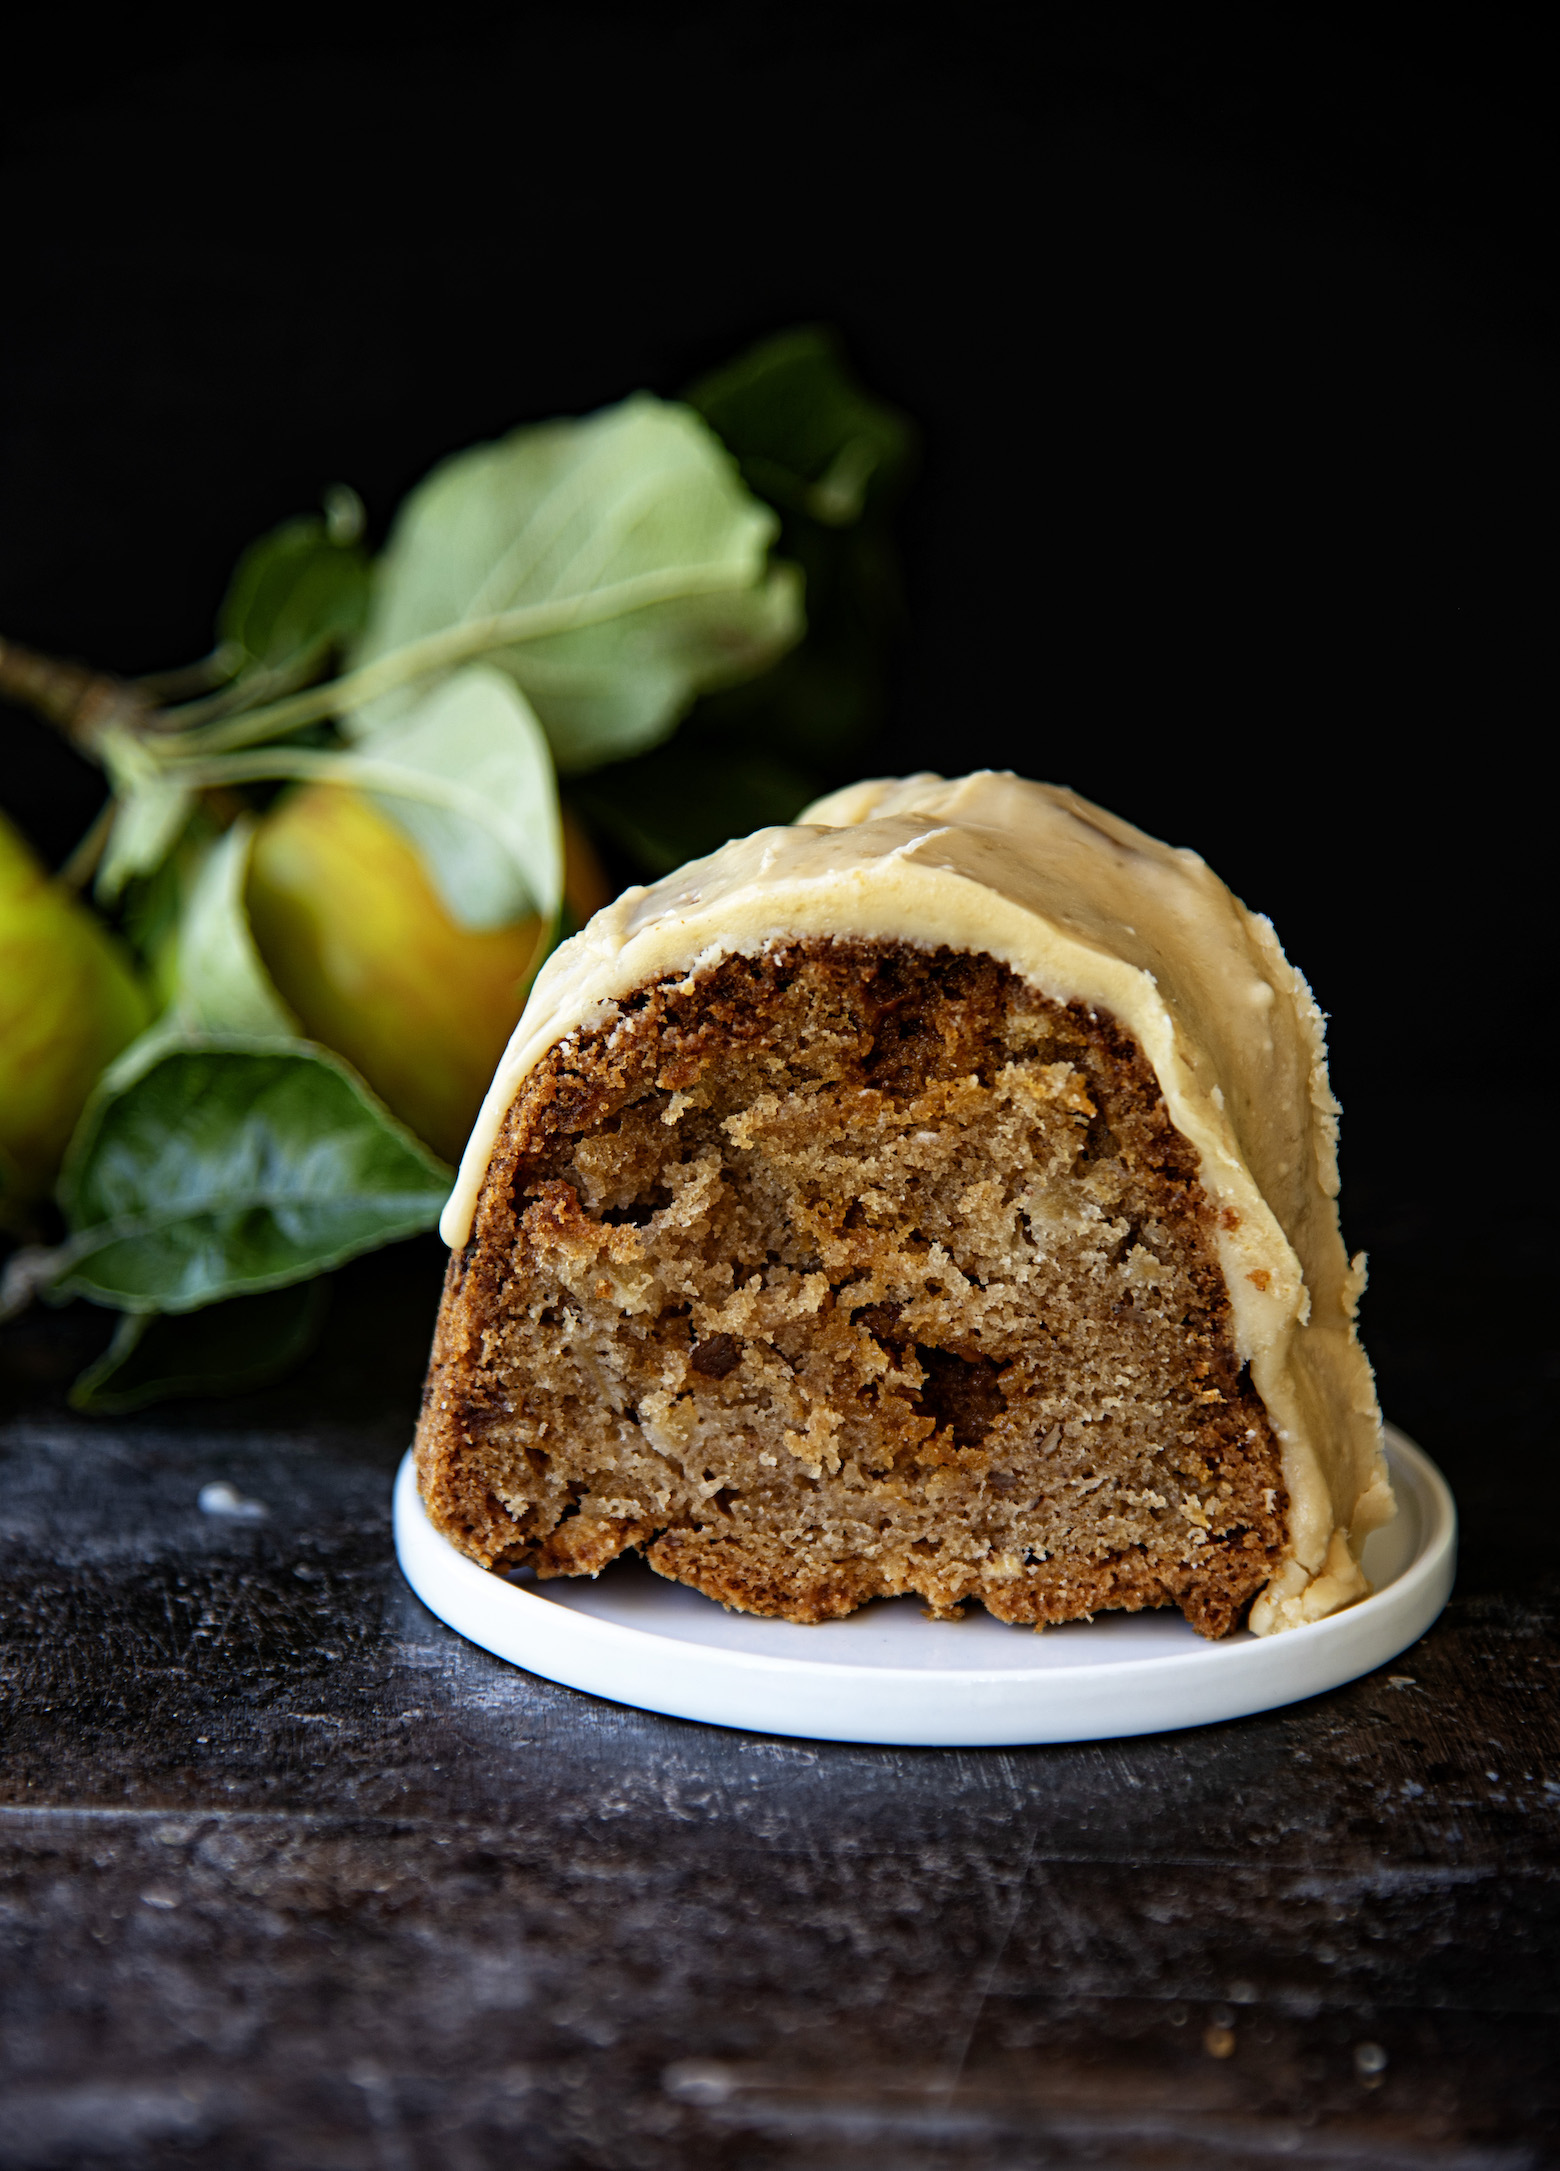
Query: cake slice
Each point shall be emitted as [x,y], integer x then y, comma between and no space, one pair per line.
[936,1197]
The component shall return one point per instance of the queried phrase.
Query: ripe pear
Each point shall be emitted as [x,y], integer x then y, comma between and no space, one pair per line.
[69,1001]
[363,951]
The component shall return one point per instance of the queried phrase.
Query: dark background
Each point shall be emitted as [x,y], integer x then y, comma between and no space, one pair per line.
[1232,346]
[1232,349]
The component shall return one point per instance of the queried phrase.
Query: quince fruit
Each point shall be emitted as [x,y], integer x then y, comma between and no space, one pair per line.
[362,950]
[69,1001]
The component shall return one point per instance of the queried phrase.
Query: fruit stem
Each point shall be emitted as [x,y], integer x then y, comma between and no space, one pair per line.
[191,679]
[82,864]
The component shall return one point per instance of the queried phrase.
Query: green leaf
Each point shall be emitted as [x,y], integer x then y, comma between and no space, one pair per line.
[220,985]
[298,592]
[834,461]
[221,1155]
[806,435]
[634,526]
[154,906]
[225,1349]
[686,799]
[468,776]
[152,808]
[229,1167]
[206,960]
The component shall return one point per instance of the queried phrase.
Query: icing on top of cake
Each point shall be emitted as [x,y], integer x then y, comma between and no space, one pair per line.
[1090,910]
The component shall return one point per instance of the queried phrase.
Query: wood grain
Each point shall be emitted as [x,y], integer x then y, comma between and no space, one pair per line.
[295,1877]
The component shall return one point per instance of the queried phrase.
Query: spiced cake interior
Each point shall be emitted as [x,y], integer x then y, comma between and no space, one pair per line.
[852,1269]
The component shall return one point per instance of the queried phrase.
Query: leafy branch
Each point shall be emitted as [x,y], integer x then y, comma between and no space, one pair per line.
[337,849]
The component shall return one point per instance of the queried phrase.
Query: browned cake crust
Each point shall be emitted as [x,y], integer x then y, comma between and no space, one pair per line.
[848,1270]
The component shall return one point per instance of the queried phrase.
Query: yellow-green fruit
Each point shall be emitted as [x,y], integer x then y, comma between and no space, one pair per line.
[69,1001]
[585,885]
[364,953]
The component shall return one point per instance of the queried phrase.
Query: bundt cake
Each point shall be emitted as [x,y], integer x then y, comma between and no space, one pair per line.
[937,1196]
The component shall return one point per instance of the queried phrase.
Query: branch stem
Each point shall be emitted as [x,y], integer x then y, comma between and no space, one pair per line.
[78,702]
[454,645]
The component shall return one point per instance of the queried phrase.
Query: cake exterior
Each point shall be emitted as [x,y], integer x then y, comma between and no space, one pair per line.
[938,1195]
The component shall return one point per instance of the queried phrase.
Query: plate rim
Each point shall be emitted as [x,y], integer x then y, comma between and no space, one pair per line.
[1362,1636]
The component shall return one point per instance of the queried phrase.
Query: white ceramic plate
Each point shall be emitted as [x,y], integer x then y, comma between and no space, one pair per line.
[887,1674]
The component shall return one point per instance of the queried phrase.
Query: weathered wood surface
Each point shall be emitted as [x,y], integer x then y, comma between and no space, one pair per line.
[293,1877]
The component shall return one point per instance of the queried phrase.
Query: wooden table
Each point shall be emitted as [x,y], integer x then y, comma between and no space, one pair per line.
[295,1877]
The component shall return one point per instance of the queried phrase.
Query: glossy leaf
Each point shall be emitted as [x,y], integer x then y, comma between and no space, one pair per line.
[152,808]
[154,907]
[466,773]
[208,965]
[228,1167]
[221,1154]
[225,1349]
[630,540]
[221,986]
[805,434]
[834,461]
[296,593]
